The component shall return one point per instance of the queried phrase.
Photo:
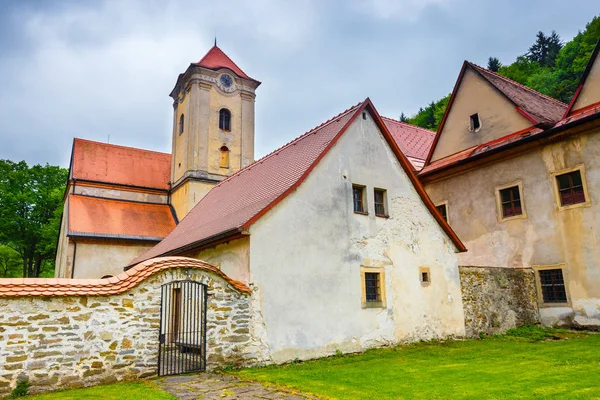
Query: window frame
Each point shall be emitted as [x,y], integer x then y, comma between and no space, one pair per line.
[221,120]
[383,202]
[540,292]
[382,300]
[425,270]
[500,209]
[445,204]
[586,193]
[364,208]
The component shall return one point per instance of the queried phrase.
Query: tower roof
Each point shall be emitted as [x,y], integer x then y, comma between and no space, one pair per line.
[216,58]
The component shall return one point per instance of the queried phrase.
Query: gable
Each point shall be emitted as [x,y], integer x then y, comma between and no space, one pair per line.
[498,116]
[589,90]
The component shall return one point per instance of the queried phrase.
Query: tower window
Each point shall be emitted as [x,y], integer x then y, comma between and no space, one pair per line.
[181,123]
[225,119]
[475,123]
[224,160]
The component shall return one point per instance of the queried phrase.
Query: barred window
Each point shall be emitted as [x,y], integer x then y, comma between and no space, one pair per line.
[372,287]
[510,199]
[570,188]
[553,286]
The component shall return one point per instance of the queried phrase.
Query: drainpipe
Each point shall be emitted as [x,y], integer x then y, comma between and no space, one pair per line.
[74,255]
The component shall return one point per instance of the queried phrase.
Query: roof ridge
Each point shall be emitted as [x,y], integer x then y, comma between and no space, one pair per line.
[410,125]
[120,146]
[485,70]
[302,136]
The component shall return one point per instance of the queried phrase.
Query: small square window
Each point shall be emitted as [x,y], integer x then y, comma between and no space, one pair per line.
[425,276]
[570,188]
[443,210]
[358,198]
[380,200]
[553,285]
[510,199]
[475,124]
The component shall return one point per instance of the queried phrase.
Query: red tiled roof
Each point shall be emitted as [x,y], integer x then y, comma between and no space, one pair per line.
[109,163]
[414,141]
[216,58]
[238,201]
[99,217]
[539,107]
[110,286]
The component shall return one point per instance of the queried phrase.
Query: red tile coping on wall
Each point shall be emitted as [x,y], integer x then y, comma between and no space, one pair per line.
[13,287]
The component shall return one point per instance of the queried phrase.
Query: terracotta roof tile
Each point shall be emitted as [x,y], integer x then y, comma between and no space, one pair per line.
[92,216]
[92,287]
[413,140]
[236,202]
[542,108]
[216,59]
[109,163]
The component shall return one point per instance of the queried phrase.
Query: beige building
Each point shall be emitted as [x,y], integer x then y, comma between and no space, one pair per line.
[517,175]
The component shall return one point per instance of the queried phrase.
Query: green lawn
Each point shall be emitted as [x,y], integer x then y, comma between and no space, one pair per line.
[526,363]
[117,391]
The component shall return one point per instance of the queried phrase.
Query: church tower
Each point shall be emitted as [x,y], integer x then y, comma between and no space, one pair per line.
[213,127]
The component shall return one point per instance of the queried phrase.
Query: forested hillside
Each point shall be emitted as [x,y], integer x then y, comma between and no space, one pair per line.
[550,66]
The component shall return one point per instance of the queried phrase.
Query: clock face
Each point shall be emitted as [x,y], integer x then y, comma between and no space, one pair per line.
[226,80]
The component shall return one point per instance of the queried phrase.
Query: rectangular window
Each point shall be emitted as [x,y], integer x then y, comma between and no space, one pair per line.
[372,287]
[553,286]
[443,211]
[475,123]
[358,196]
[380,203]
[570,188]
[510,200]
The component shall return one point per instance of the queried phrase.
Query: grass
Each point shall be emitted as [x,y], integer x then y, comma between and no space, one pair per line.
[525,363]
[117,391]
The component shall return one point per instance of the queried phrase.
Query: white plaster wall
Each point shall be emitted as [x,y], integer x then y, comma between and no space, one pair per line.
[306,254]
[232,258]
[93,260]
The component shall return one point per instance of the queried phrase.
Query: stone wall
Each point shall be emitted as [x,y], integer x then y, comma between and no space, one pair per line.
[73,339]
[498,299]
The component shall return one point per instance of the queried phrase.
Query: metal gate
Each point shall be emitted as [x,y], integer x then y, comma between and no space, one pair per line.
[182,338]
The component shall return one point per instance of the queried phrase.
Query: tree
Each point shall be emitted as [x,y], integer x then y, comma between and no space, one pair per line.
[545,49]
[494,64]
[30,205]
[403,117]
[10,263]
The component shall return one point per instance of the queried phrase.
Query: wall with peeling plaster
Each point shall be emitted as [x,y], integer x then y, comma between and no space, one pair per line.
[548,236]
[306,254]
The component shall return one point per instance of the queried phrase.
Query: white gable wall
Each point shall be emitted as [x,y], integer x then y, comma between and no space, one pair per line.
[306,254]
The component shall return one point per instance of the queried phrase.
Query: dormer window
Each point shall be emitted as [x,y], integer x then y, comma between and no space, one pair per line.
[181,123]
[225,119]
[475,123]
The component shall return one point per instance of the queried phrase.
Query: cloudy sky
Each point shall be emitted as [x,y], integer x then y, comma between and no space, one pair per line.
[91,69]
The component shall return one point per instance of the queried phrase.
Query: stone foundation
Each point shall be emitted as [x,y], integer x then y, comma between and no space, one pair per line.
[498,299]
[81,340]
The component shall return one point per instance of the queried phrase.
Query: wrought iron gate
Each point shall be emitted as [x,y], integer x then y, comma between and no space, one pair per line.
[182,338]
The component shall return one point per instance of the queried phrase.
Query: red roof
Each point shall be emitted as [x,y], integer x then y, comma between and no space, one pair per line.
[234,204]
[414,141]
[109,163]
[108,218]
[216,59]
[538,107]
[108,286]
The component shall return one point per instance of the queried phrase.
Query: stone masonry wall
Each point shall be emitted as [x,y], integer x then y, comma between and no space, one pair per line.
[72,341]
[498,299]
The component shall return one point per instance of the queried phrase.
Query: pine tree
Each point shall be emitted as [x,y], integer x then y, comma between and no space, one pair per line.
[494,64]
[403,117]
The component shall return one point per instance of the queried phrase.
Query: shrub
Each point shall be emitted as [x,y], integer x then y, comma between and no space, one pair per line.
[22,389]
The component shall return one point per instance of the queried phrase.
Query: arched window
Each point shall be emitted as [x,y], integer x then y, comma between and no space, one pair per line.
[224,119]
[181,124]
[224,160]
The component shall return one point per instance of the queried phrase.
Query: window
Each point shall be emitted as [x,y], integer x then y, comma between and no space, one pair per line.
[364,115]
[372,284]
[475,124]
[570,188]
[224,119]
[552,285]
[443,210]
[358,197]
[181,123]
[425,276]
[380,198]
[224,159]
[510,200]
